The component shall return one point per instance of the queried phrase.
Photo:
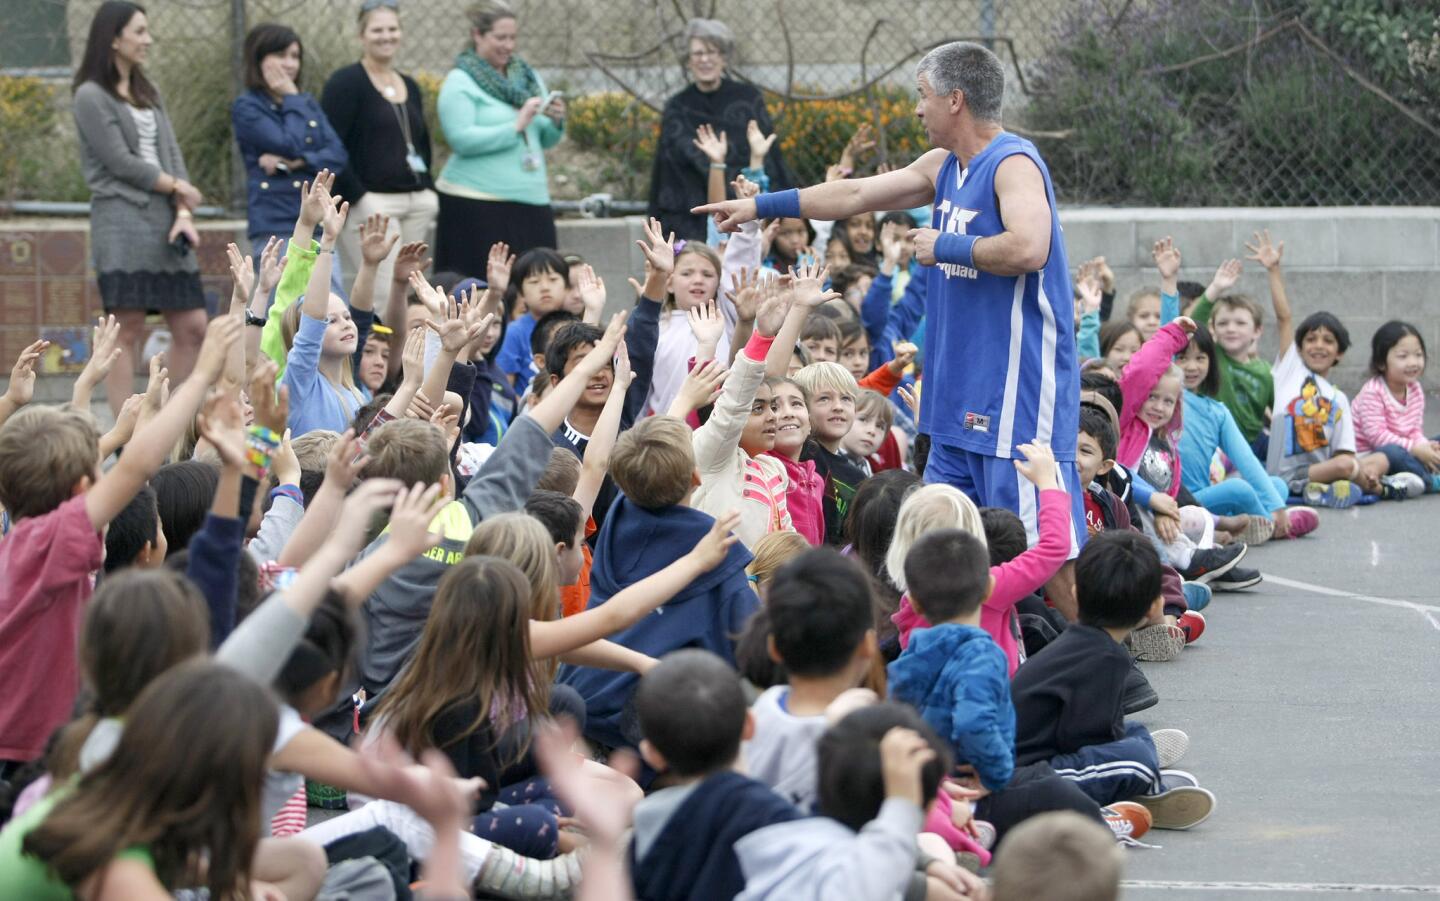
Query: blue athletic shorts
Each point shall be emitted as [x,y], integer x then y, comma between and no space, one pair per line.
[995,482]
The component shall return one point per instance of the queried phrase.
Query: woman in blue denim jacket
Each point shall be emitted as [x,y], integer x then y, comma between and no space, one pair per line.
[283,134]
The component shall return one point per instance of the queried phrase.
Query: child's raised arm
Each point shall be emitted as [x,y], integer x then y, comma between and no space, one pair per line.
[153,442]
[701,388]
[342,467]
[1225,278]
[596,461]
[805,283]
[715,441]
[1268,254]
[1150,363]
[1167,261]
[1034,567]
[553,638]
[410,536]
[104,351]
[332,222]
[21,388]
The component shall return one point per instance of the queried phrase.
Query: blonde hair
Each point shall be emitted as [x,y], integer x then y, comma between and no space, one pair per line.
[1059,856]
[411,450]
[520,538]
[773,551]
[1240,302]
[929,507]
[44,453]
[654,461]
[312,449]
[819,376]
[290,326]
[562,474]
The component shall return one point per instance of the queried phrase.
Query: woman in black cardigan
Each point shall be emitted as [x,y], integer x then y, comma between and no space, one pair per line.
[681,171]
[380,117]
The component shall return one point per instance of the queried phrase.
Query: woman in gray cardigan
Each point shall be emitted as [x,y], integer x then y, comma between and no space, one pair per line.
[141,224]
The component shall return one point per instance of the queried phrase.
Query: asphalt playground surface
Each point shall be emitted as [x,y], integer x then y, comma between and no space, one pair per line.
[1312,708]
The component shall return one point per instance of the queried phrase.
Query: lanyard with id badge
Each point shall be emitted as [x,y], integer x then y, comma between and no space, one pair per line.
[413,159]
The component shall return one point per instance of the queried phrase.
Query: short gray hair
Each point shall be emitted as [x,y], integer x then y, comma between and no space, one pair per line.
[713,32]
[970,68]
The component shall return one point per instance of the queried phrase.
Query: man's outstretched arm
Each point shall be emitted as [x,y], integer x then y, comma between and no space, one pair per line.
[902,189]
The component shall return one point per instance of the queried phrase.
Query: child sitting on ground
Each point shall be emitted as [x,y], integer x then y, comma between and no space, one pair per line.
[878,769]
[692,717]
[1390,408]
[955,675]
[649,528]
[1247,385]
[1068,698]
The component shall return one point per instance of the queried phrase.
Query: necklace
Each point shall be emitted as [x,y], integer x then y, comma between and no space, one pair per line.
[389,91]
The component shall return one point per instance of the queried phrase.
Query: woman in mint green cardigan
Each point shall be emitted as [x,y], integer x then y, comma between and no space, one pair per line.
[494,111]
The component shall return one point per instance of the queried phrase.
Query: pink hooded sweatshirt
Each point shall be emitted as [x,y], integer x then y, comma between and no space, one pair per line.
[805,498]
[1013,579]
[1140,377]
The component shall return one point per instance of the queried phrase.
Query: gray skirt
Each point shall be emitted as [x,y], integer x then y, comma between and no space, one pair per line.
[136,267]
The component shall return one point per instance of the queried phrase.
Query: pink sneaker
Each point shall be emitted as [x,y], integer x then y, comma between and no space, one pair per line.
[1303,521]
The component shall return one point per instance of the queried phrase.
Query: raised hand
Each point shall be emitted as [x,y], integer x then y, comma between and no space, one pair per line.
[1088,287]
[415,508]
[222,426]
[744,188]
[125,421]
[447,420]
[1225,278]
[157,389]
[270,404]
[345,462]
[1167,258]
[1264,252]
[836,172]
[658,249]
[746,293]
[912,403]
[767,237]
[713,547]
[375,241]
[624,375]
[774,307]
[452,331]
[352,527]
[284,464]
[497,267]
[809,277]
[272,265]
[242,272]
[892,243]
[861,142]
[333,222]
[714,146]
[904,355]
[220,336]
[701,387]
[592,292]
[411,259]
[315,199]
[1038,467]
[759,143]
[435,300]
[21,389]
[1187,325]
[412,360]
[707,325]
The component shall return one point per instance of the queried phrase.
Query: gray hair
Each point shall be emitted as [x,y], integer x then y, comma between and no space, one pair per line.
[713,32]
[971,69]
[485,14]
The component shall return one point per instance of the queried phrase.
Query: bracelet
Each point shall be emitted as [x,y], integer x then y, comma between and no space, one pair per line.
[183,213]
[781,205]
[290,491]
[261,443]
[956,248]
[720,166]
[252,319]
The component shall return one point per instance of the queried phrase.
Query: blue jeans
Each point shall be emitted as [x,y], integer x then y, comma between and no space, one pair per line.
[1236,497]
[1401,460]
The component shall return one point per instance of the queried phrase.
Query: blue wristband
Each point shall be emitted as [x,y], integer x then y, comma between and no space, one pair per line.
[290,491]
[956,248]
[781,205]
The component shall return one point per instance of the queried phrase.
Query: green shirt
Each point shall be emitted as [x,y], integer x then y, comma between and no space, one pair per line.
[22,876]
[1246,386]
[299,263]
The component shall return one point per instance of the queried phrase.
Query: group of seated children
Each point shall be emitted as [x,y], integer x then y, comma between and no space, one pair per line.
[591,576]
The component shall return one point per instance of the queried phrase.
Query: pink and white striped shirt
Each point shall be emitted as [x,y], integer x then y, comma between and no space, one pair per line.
[1380,419]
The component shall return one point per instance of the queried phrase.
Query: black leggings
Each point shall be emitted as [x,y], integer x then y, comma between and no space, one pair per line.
[1033,789]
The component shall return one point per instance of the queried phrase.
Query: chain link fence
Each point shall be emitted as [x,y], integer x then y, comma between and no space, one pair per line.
[1170,102]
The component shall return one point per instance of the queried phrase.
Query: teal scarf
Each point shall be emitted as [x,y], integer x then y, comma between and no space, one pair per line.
[515,88]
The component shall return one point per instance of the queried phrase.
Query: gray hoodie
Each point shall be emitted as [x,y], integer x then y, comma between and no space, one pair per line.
[395,614]
[818,859]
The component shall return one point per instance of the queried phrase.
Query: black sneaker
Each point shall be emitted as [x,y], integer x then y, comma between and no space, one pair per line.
[1211,563]
[1139,694]
[1237,578]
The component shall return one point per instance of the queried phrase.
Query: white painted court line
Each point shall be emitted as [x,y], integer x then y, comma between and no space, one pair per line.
[1316,888]
[1428,611]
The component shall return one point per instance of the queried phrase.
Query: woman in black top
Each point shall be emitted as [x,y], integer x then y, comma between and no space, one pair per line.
[379,116]
[677,183]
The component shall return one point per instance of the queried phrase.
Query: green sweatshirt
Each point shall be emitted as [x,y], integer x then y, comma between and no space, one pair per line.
[1246,386]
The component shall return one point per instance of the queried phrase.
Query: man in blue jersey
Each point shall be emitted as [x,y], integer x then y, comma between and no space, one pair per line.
[1000,360]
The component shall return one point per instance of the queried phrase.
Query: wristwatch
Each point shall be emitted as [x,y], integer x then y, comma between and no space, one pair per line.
[252,319]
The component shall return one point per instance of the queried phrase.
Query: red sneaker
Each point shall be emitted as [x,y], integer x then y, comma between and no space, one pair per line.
[1192,624]
[1303,521]
[1127,820]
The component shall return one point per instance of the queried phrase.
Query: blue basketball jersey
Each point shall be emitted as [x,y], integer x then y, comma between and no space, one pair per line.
[1000,358]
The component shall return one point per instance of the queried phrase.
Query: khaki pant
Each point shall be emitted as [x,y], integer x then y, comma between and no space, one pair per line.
[412,214]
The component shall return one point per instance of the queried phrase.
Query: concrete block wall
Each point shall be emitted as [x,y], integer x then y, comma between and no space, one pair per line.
[1364,264]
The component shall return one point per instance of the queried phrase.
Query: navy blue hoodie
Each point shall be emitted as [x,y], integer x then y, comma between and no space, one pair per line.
[635,543]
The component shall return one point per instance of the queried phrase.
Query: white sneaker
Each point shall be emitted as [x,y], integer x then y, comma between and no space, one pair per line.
[1170,746]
